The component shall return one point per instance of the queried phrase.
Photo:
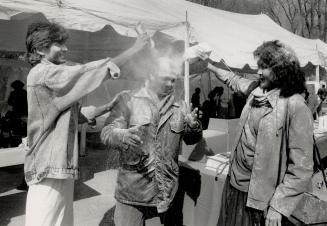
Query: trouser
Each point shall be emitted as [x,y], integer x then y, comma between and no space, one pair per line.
[133,215]
[50,203]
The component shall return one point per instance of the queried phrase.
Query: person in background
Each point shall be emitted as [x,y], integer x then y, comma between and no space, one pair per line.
[147,128]
[313,102]
[195,100]
[322,90]
[239,100]
[272,160]
[18,99]
[18,102]
[17,122]
[53,92]
[219,91]
[209,109]
[322,94]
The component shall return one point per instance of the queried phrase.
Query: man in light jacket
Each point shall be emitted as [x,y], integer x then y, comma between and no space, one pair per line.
[147,127]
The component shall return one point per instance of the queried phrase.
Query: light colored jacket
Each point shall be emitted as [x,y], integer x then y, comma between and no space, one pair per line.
[148,175]
[52,93]
[283,160]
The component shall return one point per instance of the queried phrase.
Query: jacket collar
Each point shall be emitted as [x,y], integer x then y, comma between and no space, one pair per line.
[273,97]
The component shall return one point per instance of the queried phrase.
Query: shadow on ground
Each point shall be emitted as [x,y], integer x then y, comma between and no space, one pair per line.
[108,218]
[12,202]
[12,206]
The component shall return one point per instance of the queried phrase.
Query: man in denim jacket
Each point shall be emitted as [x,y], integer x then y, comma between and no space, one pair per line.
[53,91]
[147,127]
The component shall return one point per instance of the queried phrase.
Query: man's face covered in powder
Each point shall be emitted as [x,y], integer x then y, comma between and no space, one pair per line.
[56,53]
[163,81]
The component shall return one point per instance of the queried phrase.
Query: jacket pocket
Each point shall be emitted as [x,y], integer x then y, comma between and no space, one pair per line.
[134,159]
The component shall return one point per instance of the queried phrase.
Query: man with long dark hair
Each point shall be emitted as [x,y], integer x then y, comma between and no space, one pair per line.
[53,90]
[272,160]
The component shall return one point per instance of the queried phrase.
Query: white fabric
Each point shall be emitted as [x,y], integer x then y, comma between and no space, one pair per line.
[233,36]
[50,203]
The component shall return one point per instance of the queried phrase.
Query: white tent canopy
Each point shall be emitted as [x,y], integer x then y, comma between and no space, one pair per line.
[233,36]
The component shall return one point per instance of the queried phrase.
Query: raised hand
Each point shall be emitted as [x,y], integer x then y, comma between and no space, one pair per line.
[132,136]
[191,118]
[141,41]
[202,55]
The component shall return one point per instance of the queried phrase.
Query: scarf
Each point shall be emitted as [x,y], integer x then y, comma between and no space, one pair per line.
[261,97]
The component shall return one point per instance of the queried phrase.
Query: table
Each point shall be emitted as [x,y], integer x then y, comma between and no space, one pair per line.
[207,146]
[202,207]
[11,156]
[205,210]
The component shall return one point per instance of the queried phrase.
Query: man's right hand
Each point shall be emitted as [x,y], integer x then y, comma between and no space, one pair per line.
[139,44]
[202,55]
[141,41]
[132,137]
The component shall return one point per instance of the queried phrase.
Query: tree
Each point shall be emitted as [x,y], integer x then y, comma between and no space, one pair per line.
[284,12]
[239,6]
[307,18]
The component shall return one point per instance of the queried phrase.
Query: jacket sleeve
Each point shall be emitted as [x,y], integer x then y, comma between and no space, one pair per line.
[191,135]
[299,169]
[111,134]
[71,83]
[240,84]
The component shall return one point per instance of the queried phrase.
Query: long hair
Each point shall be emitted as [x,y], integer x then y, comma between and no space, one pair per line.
[42,35]
[289,77]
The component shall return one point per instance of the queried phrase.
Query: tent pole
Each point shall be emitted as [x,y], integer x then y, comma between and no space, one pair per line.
[187,67]
[317,72]
[317,79]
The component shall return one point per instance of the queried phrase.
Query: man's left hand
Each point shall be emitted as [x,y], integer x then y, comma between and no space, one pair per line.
[191,118]
[273,218]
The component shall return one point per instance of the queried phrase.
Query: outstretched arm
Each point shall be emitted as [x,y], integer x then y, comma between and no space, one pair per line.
[233,81]
[71,83]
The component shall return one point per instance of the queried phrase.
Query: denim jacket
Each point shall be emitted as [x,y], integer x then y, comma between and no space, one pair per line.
[148,175]
[53,92]
[283,159]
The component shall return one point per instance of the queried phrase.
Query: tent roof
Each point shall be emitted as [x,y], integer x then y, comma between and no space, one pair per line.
[233,36]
